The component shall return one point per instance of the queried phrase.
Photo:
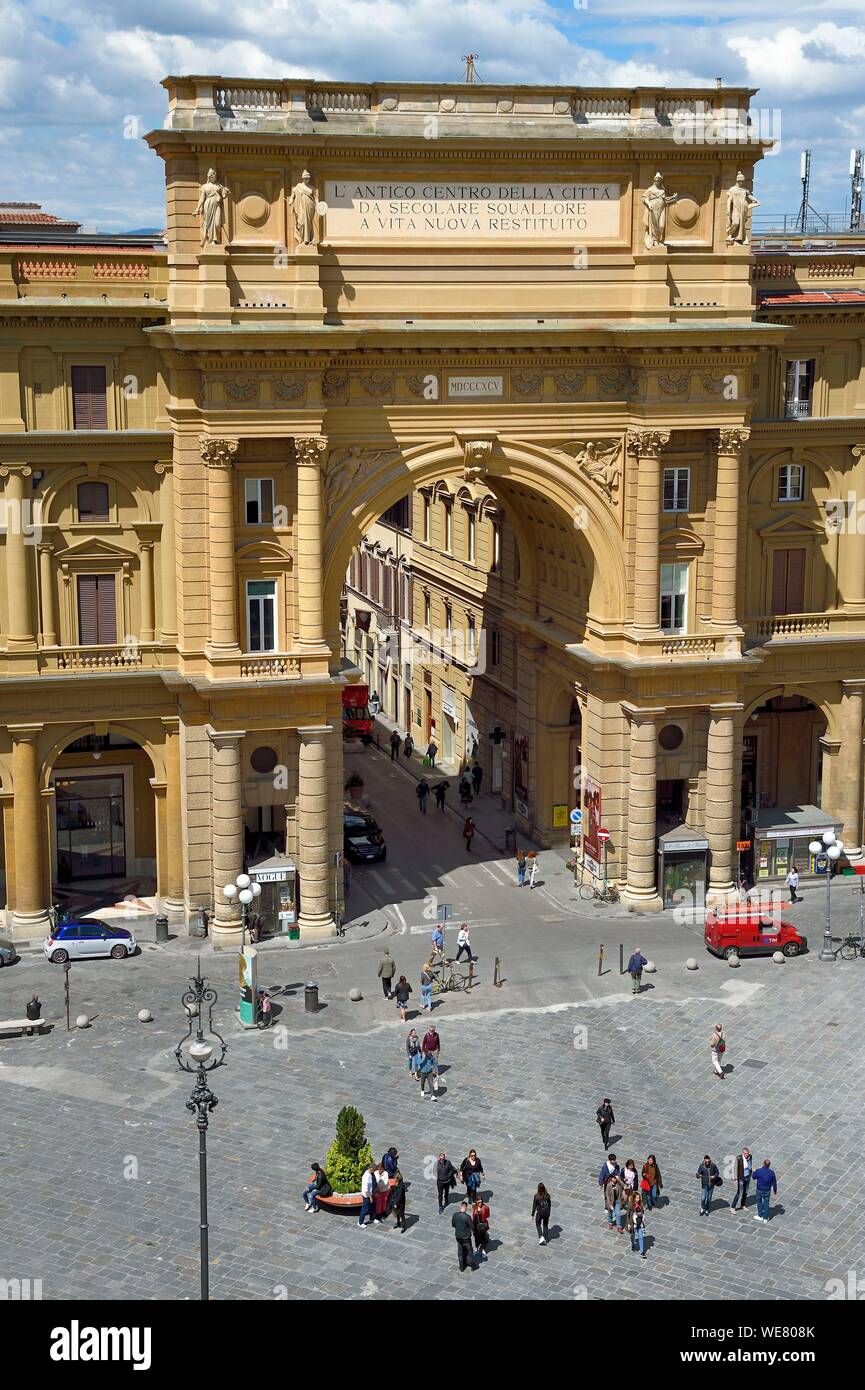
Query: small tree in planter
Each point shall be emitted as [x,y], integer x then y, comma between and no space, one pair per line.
[350,1154]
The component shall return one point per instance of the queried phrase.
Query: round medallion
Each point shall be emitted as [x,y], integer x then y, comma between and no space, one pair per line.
[447,105]
[389,103]
[505,105]
[685,212]
[254,209]
[561,108]
[671,737]
[264,759]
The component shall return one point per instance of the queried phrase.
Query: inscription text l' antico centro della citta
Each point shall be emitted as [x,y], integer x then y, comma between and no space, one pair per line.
[481,209]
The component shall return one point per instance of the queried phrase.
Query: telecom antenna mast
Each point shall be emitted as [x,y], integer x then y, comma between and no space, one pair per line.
[805,175]
[470,74]
[855,190]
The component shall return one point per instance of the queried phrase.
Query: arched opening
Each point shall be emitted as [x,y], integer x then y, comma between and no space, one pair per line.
[103,828]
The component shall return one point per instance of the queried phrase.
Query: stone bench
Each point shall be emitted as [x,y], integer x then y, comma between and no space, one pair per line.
[23,1025]
[344,1201]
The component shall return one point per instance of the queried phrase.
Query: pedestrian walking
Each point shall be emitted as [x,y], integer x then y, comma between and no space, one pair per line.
[427,975]
[792,882]
[630,1179]
[469,834]
[462,1224]
[446,1178]
[613,1202]
[432,1042]
[521,868]
[766,1183]
[318,1186]
[428,1076]
[382,1192]
[542,1206]
[414,1053]
[432,752]
[637,1226]
[437,937]
[440,791]
[481,1227]
[396,1203]
[534,868]
[386,972]
[401,994]
[464,943]
[374,704]
[710,1178]
[744,1170]
[408,746]
[395,742]
[605,1119]
[471,1172]
[717,1047]
[465,788]
[367,1195]
[477,777]
[650,1182]
[422,792]
[636,965]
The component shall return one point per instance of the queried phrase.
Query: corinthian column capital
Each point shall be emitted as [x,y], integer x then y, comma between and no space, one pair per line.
[647,443]
[858,451]
[309,450]
[733,440]
[217,453]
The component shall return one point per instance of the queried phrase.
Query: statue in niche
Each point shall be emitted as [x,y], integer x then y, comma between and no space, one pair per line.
[740,204]
[303,200]
[211,209]
[656,200]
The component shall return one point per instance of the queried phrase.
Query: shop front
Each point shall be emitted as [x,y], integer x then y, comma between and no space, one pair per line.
[278,901]
[781,837]
[682,858]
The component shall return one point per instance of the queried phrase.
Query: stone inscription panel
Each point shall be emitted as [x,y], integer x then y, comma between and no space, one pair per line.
[472,211]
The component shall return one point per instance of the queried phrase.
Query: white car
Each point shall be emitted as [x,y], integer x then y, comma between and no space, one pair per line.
[78,940]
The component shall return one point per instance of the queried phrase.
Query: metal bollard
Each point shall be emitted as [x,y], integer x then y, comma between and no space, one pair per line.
[601,959]
[162,929]
[621,959]
[310,997]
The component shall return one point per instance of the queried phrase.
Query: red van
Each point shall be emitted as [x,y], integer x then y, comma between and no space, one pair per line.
[751,934]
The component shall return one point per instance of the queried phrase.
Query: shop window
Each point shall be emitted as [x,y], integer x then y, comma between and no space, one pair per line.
[677,489]
[93,502]
[97,609]
[89,398]
[788,580]
[258,498]
[261,614]
[791,482]
[674,597]
[798,397]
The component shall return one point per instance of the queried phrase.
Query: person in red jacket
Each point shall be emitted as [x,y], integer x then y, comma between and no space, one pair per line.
[481,1227]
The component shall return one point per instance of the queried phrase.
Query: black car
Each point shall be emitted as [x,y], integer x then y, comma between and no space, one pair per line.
[363,841]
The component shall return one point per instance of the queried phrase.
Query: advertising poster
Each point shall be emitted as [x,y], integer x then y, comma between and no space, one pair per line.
[591,819]
[247,963]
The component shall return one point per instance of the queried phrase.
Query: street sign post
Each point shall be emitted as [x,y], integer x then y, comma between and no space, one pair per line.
[444,912]
[67,966]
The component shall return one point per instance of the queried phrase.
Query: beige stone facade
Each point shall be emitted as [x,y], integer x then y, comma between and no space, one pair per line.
[478,318]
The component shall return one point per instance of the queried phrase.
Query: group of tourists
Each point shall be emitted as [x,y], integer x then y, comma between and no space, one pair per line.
[423,1061]
[628,1195]
[764,1177]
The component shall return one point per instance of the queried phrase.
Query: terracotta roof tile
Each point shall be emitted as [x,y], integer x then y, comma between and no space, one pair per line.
[807,298]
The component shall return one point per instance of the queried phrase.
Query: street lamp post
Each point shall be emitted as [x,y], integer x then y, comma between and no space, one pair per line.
[197,1060]
[831,848]
[246,892]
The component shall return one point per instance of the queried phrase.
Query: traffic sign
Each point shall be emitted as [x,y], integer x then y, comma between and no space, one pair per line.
[603,835]
[444,912]
[576,816]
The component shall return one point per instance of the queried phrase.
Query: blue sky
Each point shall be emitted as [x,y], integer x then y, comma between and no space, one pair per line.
[76,80]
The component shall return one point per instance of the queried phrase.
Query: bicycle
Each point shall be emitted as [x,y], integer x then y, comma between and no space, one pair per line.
[447,978]
[608,893]
[850,948]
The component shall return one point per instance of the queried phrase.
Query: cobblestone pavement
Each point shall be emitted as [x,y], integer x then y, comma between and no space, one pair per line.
[98,1155]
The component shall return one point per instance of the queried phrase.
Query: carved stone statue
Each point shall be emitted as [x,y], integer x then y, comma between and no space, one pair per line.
[211,209]
[656,200]
[600,465]
[740,203]
[303,201]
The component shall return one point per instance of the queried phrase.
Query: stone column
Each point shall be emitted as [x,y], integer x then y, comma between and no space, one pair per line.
[146,597]
[168,553]
[217,455]
[48,628]
[227,832]
[854,540]
[723,794]
[309,453]
[173,873]
[316,918]
[30,915]
[641,891]
[17,521]
[847,789]
[732,449]
[646,446]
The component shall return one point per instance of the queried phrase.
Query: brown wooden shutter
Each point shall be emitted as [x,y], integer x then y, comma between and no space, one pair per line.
[92,501]
[97,617]
[89,399]
[795,581]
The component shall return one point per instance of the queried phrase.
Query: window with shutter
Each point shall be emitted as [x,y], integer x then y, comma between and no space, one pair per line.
[97,615]
[89,398]
[93,502]
[788,581]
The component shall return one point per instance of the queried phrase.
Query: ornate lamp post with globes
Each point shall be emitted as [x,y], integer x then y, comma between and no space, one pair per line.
[246,892]
[196,1055]
[830,847]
